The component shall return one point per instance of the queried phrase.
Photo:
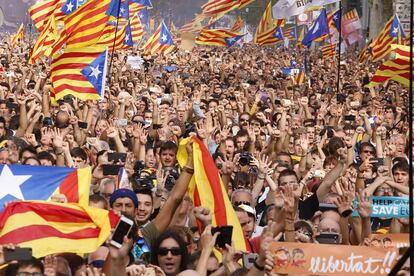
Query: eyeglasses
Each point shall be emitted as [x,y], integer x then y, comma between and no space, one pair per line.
[238,203]
[29,274]
[304,232]
[385,190]
[175,251]
[368,151]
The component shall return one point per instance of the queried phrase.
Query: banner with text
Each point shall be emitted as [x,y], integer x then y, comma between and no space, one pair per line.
[399,240]
[387,207]
[322,259]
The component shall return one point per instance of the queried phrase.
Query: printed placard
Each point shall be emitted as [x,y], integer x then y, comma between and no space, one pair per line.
[322,259]
[387,207]
[399,240]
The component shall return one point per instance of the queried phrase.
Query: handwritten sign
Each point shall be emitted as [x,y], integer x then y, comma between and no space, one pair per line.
[387,207]
[322,259]
[399,240]
[135,62]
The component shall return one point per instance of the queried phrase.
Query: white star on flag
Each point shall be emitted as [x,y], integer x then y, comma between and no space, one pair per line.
[69,6]
[126,38]
[231,40]
[122,10]
[141,15]
[11,183]
[95,71]
[335,17]
[164,38]
[395,30]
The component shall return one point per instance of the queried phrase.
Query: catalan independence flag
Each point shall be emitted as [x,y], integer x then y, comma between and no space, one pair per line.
[270,37]
[122,37]
[51,228]
[328,50]
[20,182]
[266,22]
[215,37]
[46,41]
[160,42]
[392,33]
[238,24]
[85,21]
[213,7]
[79,72]
[298,77]
[207,189]
[397,69]
[137,31]
[41,12]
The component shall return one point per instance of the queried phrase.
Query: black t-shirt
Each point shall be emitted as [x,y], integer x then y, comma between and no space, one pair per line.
[308,207]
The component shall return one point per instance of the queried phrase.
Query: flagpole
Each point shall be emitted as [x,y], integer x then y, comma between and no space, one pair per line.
[339,50]
[113,45]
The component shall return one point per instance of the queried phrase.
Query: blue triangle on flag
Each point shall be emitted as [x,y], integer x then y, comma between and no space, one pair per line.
[232,40]
[319,28]
[128,36]
[95,72]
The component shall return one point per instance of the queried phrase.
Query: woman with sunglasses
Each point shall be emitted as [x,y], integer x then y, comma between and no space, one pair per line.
[170,253]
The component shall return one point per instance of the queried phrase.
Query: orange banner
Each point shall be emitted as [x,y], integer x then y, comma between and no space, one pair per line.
[322,259]
[389,240]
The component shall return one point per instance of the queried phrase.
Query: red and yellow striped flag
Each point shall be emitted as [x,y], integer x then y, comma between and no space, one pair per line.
[364,54]
[244,3]
[160,42]
[41,12]
[268,38]
[46,40]
[67,77]
[123,36]
[135,8]
[298,78]
[18,37]
[266,22]
[207,189]
[137,31]
[85,25]
[381,45]
[213,7]
[397,69]
[215,37]
[51,228]
[238,24]
[328,50]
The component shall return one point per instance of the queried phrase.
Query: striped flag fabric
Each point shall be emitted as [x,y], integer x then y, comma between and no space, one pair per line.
[207,189]
[334,19]
[18,37]
[213,7]
[122,37]
[137,31]
[84,24]
[41,182]
[318,31]
[270,37]
[364,54]
[298,77]
[41,12]
[265,23]
[244,3]
[392,33]
[80,72]
[215,37]
[52,228]
[299,43]
[238,24]
[290,33]
[328,50]
[160,42]
[397,69]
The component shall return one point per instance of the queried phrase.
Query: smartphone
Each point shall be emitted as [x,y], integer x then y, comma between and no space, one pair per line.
[117,156]
[379,161]
[122,229]
[225,235]
[121,122]
[349,118]
[328,238]
[109,169]
[323,207]
[18,254]
[249,259]
[83,125]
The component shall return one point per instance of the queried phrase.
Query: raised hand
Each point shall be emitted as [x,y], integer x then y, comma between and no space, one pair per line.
[364,205]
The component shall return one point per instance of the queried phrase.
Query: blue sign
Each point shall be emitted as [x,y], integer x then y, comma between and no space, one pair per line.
[387,207]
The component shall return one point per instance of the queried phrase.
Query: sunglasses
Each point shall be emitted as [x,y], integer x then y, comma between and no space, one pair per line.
[175,251]
[368,151]
[238,203]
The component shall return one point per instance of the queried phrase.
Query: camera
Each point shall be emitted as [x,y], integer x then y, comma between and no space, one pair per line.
[145,182]
[171,178]
[245,158]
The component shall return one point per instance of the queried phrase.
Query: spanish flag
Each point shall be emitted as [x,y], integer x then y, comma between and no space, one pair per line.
[51,228]
[207,189]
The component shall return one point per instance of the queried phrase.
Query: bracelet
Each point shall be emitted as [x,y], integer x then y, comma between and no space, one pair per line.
[261,177]
[258,267]
[188,169]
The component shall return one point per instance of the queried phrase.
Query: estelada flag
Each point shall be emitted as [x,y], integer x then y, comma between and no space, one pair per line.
[207,189]
[18,37]
[51,228]
[21,182]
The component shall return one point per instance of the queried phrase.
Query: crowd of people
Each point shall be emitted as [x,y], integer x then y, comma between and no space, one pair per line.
[293,158]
